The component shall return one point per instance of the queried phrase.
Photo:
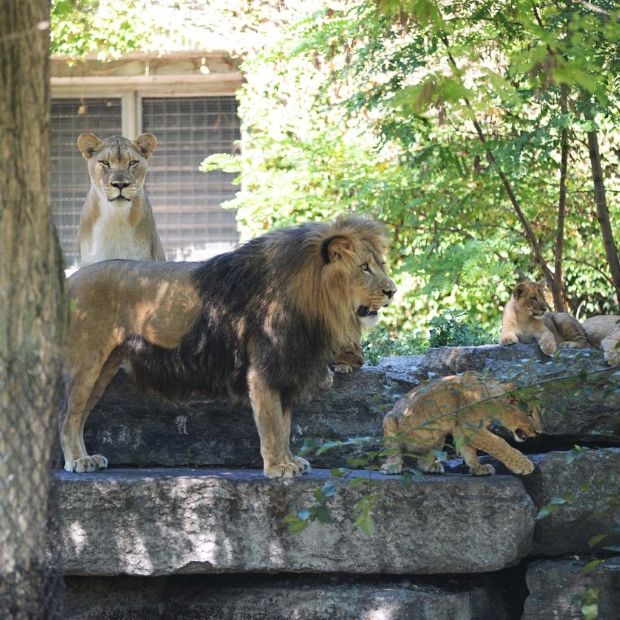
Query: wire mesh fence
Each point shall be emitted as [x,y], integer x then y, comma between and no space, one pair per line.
[31,582]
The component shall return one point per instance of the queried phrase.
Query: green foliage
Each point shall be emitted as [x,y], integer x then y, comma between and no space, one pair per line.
[369,107]
[380,342]
[450,329]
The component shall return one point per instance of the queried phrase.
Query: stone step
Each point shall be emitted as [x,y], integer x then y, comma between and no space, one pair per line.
[166,521]
[213,597]
[135,429]
[565,589]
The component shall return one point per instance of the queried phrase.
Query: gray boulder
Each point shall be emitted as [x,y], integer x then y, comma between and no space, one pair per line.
[560,589]
[166,521]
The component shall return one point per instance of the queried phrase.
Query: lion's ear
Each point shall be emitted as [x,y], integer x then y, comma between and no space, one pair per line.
[89,144]
[520,290]
[146,144]
[336,248]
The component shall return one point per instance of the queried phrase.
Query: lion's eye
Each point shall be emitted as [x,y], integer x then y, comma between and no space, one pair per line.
[366,267]
[104,163]
[133,163]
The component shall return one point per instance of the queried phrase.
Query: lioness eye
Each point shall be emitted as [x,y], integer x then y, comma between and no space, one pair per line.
[365,267]
[133,162]
[105,164]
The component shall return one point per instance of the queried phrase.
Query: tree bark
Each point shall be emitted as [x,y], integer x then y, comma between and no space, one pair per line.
[558,291]
[602,211]
[32,315]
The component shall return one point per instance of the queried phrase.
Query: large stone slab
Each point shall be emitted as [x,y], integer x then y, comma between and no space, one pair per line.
[559,589]
[213,597]
[584,490]
[133,428]
[161,522]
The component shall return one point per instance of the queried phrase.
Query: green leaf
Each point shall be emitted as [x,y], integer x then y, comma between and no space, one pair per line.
[591,566]
[354,483]
[366,524]
[592,542]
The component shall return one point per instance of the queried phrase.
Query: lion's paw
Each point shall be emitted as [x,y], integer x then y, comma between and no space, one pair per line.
[508,339]
[87,463]
[482,470]
[392,467]
[547,345]
[523,468]
[612,358]
[343,369]
[289,469]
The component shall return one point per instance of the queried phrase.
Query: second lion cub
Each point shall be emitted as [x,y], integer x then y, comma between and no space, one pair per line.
[527,319]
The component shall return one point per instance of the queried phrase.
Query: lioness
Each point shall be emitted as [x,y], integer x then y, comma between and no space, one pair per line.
[259,323]
[603,331]
[117,219]
[527,319]
[462,406]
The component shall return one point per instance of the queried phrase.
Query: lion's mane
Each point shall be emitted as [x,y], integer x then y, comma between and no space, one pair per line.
[280,298]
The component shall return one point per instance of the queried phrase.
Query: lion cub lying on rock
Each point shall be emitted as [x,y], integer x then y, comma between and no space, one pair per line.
[603,331]
[462,406]
[527,319]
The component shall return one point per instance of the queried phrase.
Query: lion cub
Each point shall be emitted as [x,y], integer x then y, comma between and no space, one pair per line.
[117,220]
[603,331]
[527,319]
[462,406]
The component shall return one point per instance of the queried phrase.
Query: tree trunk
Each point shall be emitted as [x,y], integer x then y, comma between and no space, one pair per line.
[32,315]
[559,294]
[602,211]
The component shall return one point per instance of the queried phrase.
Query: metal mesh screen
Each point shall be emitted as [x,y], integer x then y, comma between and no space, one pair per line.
[31,581]
[69,180]
[190,220]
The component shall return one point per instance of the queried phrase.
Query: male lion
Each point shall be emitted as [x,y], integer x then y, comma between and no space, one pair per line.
[117,219]
[603,331]
[527,319]
[462,406]
[259,323]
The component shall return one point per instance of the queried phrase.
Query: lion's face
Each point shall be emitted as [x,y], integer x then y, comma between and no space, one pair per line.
[117,166]
[530,299]
[372,289]
[522,424]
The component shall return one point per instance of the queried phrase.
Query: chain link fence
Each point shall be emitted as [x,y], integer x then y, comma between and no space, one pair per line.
[31,582]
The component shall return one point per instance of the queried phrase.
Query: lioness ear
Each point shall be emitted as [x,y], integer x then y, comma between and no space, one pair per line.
[520,290]
[335,248]
[146,144]
[89,144]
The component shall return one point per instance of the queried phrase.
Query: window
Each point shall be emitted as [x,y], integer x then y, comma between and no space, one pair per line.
[186,202]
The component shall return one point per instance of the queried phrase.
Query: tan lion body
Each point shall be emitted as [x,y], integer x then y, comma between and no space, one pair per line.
[259,324]
[421,421]
[527,319]
[603,331]
[117,219]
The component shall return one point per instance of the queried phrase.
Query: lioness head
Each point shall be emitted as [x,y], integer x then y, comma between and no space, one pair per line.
[530,299]
[361,256]
[522,421]
[117,166]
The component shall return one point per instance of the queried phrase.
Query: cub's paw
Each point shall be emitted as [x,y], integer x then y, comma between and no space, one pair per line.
[547,345]
[343,369]
[482,470]
[87,463]
[508,339]
[287,469]
[523,468]
[392,467]
[436,467]
[612,357]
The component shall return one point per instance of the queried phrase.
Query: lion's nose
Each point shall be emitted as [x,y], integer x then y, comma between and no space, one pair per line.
[120,185]
[389,294]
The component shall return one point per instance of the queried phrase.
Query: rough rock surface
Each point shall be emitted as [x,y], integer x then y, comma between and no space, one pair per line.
[275,598]
[131,428]
[559,588]
[585,486]
[160,522]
